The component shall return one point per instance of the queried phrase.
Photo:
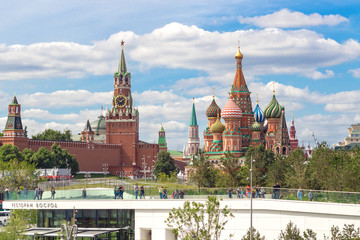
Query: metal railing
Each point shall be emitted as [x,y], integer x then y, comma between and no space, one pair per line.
[152,192]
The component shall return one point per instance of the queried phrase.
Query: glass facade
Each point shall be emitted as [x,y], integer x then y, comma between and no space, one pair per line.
[102,218]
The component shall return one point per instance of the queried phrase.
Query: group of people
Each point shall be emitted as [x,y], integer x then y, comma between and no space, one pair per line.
[38,193]
[119,192]
[276,191]
[257,192]
[142,192]
[299,195]
[175,194]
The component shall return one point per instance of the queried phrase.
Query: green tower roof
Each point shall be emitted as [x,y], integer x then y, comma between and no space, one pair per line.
[193,121]
[162,139]
[122,64]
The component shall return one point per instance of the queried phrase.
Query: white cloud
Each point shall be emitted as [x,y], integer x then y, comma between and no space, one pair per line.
[319,75]
[175,45]
[355,72]
[65,98]
[286,18]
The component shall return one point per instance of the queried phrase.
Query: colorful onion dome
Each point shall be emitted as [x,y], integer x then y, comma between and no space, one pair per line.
[273,110]
[217,127]
[256,127]
[213,110]
[258,114]
[231,109]
[239,54]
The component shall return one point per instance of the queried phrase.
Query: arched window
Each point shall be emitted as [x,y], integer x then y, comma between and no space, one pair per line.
[284,151]
[277,150]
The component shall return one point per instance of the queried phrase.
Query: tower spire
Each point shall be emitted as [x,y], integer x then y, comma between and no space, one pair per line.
[273,87]
[193,121]
[122,64]
[239,83]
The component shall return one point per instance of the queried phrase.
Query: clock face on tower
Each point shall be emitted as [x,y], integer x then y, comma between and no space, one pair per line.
[120,101]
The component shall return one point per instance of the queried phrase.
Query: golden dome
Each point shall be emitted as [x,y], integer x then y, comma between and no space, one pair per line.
[217,127]
[239,54]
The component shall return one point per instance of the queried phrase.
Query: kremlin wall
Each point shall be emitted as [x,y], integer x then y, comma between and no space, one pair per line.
[113,139]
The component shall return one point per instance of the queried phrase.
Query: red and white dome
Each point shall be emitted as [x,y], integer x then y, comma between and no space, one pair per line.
[231,110]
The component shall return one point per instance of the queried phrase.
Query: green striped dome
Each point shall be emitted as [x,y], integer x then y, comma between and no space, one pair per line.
[256,127]
[217,127]
[273,110]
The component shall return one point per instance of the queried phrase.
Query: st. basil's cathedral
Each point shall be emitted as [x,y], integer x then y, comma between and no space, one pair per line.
[242,126]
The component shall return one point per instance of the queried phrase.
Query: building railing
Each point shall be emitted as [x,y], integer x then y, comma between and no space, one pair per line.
[152,192]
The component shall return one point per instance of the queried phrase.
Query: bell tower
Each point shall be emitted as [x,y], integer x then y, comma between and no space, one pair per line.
[122,120]
[14,132]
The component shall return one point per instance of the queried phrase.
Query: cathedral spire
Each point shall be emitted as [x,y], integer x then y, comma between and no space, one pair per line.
[193,121]
[239,84]
[122,64]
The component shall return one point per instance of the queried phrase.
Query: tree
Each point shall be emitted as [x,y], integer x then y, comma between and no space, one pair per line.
[296,177]
[256,235]
[199,221]
[56,157]
[9,152]
[277,171]
[54,135]
[203,173]
[263,160]
[230,166]
[16,174]
[165,164]
[19,220]
[291,232]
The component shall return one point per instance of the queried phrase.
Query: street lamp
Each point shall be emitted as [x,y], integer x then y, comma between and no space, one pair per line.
[87,175]
[144,166]
[67,169]
[251,196]
[105,170]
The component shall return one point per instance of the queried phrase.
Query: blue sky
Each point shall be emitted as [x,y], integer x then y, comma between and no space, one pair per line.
[59,58]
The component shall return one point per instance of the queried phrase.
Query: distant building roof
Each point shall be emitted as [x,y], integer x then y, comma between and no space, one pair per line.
[347,147]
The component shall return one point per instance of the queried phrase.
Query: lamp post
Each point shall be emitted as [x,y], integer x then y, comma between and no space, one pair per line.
[251,196]
[105,170]
[67,168]
[144,166]
[87,175]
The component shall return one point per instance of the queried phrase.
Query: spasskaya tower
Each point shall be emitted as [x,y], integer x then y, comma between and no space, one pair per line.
[122,120]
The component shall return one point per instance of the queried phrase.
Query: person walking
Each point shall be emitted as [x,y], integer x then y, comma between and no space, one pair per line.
[121,191]
[277,186]
[165,194]
[136,190]
[262,192]
[115,192]
[84,193]
[248,189]
[18,192]
[7,195]
[53,192]
[257,191]
[41,191]
[311,196]
[26,191]
[238,193]
[230,192]
[299,194]
[161,192]
[37,193]
[142,192]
